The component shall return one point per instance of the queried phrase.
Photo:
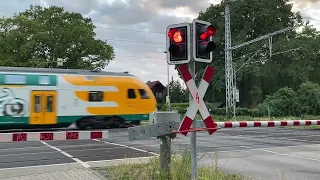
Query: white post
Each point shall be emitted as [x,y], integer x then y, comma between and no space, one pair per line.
[193,137]
[168,90]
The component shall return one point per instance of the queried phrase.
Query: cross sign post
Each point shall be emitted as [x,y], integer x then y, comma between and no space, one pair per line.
[187,43]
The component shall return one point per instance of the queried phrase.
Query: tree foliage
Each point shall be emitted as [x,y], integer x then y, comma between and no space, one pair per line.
[263,75]
[39,36]
[178,94]
[287,102]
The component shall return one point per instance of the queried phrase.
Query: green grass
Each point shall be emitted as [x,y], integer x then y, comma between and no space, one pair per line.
[302,127]
[180,170]
[250,118]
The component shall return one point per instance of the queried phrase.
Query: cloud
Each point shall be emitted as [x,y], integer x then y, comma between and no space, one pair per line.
[136,28]
[8,8]
[301,4]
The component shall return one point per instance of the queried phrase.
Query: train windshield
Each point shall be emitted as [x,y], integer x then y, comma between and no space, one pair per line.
[143,94]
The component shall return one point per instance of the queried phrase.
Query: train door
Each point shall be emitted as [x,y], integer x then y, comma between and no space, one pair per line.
[43,107]
[50,107]
[131,100]
[144,101]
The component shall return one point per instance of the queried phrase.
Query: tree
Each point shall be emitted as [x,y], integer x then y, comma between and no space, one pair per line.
[177,93]
[38,36]
[251,19]
[309,98]
[282,103]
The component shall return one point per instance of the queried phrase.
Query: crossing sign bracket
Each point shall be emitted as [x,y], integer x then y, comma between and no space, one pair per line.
[162,123]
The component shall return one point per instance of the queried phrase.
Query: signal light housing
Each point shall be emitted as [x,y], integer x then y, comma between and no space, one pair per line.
[178,43]
[203,45]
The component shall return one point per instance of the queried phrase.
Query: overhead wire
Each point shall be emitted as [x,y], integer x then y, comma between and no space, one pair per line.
[151,32]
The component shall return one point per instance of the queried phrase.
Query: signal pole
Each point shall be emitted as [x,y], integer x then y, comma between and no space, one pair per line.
[186,44]
[168,88]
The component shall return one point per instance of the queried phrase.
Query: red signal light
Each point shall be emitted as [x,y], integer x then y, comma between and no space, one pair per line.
[171,33]
[204,35]
[211,31]
[175,35]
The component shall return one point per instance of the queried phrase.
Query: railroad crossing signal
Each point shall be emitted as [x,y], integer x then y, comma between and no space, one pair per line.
[178,43]
[203,45]
[197,102]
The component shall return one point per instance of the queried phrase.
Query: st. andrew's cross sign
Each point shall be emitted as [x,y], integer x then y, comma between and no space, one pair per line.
[197,102]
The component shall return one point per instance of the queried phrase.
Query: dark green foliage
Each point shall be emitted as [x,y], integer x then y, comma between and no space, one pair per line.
[251,19]
[182,108]
[309,98]
[178,94]
[285,102]
[40,35]
[282,103]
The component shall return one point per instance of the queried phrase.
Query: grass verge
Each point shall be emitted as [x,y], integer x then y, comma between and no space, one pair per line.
[250,118]
[180,170]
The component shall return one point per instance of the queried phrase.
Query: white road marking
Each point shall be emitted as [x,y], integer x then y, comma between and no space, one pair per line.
[137,149]
[273,137]
[66,154]
[70,164]
[239,150]
[126,159]
[298,140]
[290,155]
[49,152]
[259,149]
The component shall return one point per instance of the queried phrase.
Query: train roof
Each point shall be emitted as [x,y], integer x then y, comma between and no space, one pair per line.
[62,71]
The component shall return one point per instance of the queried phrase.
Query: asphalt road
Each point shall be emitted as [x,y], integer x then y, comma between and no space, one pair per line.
[264,153]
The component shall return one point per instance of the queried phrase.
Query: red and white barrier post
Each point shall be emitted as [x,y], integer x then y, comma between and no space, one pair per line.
[236,124]
[52,136]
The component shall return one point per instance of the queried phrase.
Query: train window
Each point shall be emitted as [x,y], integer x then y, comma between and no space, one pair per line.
[95,96]
[143,94]
[49,103]
[131,94]
[15,79]
[44,80]
[89,78]
[37,103]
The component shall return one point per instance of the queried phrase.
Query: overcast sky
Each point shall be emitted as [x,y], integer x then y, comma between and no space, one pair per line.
[144,21]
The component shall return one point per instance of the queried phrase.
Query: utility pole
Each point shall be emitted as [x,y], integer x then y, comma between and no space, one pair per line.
[230,89]
[229,70]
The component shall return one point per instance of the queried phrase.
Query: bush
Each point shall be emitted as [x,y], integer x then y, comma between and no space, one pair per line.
[282,103]
[309,98]
[182,109]
[285,102]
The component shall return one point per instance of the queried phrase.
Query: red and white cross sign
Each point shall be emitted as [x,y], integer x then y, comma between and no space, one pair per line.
[197,102]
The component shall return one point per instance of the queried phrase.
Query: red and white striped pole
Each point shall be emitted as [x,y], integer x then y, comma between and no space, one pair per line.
[240,124]
[53,136]
[253,124]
